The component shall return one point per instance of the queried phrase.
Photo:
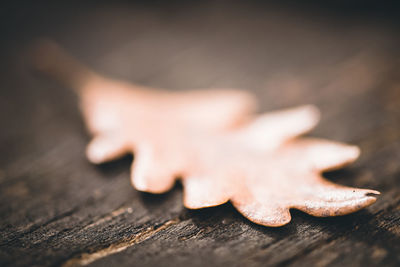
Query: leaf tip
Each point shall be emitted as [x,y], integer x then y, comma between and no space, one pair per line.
[312,113]
[95,154]
[370,196]
[146,182]
[353,152]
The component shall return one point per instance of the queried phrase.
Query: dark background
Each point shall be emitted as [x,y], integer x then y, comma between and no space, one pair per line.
[56,208]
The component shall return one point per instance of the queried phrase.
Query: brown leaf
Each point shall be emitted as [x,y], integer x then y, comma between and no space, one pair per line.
[125,118]
[260,166]
[264,171]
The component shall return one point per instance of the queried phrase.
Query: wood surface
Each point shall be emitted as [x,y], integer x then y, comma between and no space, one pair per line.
[57,209]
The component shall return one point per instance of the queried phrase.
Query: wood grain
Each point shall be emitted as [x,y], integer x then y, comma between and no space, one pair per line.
[57,209]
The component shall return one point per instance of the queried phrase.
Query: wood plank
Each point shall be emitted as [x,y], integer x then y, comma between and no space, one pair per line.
[57,209]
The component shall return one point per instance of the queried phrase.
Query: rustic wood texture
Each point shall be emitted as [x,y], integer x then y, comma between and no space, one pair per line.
[57,209]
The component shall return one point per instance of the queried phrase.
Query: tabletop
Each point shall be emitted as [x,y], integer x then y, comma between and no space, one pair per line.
[57,209]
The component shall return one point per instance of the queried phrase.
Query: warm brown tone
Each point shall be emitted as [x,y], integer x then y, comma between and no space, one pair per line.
[57,207]
[259,165]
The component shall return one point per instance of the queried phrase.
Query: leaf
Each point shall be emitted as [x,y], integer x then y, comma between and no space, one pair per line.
[264,170]
[207,139]
[125,118]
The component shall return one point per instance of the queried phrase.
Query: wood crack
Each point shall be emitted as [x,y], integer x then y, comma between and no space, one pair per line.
[87,258]
[122,210]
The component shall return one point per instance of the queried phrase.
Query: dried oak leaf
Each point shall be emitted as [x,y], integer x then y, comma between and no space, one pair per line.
[126,118]
[264,170]
[261,166]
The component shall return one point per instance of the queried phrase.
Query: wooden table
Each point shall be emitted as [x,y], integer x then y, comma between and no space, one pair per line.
[58,209]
